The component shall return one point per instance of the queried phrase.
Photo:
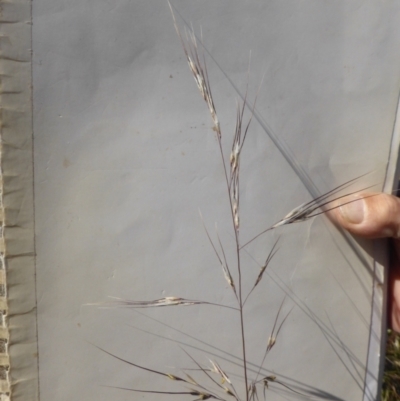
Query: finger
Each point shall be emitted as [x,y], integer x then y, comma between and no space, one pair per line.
[394,288]
[370,215]
[376,216]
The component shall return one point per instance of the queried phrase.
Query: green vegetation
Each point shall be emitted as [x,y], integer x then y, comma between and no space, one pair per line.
[391,378]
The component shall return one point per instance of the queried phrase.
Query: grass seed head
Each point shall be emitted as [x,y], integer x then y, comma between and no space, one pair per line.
[271,343]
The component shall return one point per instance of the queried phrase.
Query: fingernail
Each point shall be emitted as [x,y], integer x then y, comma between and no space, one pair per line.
[353,211]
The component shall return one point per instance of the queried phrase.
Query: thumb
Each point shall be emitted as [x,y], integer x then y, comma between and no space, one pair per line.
[369,215]
[375,216]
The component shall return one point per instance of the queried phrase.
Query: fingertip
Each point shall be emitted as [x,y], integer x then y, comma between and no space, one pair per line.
[353,211]
[370,215]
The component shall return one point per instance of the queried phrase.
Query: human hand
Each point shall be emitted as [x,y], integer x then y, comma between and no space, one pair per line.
[377,216]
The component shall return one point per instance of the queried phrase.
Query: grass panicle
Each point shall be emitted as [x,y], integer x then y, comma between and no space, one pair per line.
[212,381]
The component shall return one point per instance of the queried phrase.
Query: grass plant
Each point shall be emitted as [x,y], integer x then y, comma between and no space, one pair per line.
[213,381]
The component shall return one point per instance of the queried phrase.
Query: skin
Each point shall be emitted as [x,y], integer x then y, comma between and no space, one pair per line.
[377,216]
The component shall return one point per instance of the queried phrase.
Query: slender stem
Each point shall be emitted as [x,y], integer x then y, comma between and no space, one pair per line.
[241,314]
[239,271]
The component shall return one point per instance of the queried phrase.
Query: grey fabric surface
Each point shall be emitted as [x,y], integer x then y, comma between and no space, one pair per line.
[125,155]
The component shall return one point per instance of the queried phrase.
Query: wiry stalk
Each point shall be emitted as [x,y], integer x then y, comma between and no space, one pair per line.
[272,338]
[271,254]
[224,262]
